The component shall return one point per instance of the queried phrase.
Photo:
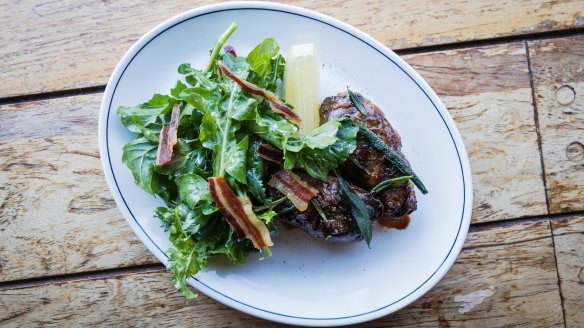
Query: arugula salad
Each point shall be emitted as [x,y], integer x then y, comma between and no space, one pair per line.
[196,148]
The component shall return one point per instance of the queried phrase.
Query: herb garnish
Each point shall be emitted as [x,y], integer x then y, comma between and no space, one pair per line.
[383,185]
[359,165]
[357,102]
[358,209]
[319,209]
[392,156]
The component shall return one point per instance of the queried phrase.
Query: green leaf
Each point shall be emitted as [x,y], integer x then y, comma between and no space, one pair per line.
[165,215]
[185,68]
[166,190]
[235,250]
[357,102]
[183,263]
[143,115]
[237,65]
[179,87]
[244,108]
[202,99]
[183,258]
[320,151]
[189,121]
[197,78]
[140,157]
[267,217]
[256,168]
[358,209]
[383,185]
[274,75]
[228,154]
[259,59]
[193,190]
[235,160]
[208,131]
[180,156]
[319,138]
[270,127]
[152,132]
[318,162]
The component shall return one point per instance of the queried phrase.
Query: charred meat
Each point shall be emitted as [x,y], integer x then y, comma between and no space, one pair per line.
[371,167]
[339,223]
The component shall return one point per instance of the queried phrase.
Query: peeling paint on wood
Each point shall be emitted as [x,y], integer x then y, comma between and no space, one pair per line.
[516,263]
[471,300]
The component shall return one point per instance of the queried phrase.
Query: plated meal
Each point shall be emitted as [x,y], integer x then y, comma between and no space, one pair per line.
[238,146]
[279,146]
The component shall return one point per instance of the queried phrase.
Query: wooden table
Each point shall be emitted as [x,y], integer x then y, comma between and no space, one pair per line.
[510,72]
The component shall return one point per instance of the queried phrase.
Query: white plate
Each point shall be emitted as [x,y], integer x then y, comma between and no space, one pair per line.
[307,282]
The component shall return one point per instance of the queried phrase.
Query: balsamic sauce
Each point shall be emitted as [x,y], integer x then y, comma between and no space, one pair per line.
[400,223]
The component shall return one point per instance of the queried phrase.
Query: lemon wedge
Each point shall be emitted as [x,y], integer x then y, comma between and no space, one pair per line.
[301,83]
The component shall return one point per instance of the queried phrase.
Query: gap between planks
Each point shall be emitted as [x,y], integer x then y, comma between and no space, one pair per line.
[89,275]
[52,95]
[555,250]
[537,130]
[405,51]
[481,226]
[151,268]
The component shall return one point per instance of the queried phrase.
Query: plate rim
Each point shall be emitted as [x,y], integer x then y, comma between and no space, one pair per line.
[429,283]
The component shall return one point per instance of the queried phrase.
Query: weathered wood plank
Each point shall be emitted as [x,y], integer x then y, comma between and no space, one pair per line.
[77,43]
[50,167]
[70,116]
[569,245]
[499,280]
[57,215]
[487,92]
[504,277]
[558,75]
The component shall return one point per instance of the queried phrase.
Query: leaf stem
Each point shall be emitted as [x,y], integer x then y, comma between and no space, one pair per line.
[225,131]
[220,42]
[268,253]
[319,210]
[270,205]
[358,165]
[286,210]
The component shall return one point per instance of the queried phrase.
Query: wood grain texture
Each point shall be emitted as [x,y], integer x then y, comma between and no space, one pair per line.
[57,215]
[558,76]
[47,143]
[77,43]
[504,277]
[569,245]
[487,92]
[67,116]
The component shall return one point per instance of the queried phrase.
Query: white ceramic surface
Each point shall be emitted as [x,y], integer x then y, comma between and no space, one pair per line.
[307,282]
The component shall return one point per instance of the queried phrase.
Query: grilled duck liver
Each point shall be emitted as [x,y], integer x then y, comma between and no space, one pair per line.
[398,200]
[341,226]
